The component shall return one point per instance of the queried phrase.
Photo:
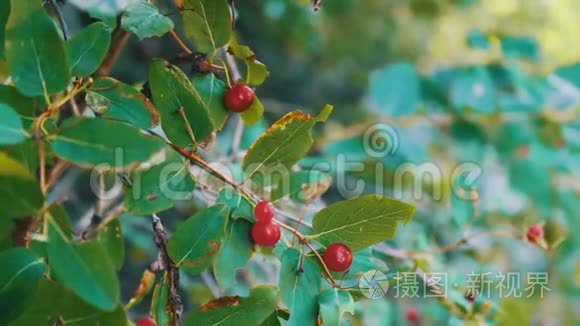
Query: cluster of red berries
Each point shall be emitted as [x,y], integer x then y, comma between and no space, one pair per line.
[239,98]
[265,232]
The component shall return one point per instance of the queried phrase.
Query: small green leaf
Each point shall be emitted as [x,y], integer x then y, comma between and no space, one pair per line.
[19,276]
[156,189]
[474,89]
[90,142]
[172,91]
[300,288]
[88,48]
[360,222]
[159,301]
[11,131]
[111,238]
[36,54]
[254,113]
[116,100]
[285,143]
[144,19]
[20,194]
[256,71]
[234,253]
[197,240]
[52,301]
[207,22]
[252,310]
[84,268]
[395,90]
[333,305]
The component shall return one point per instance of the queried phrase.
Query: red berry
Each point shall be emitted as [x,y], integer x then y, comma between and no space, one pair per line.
[412,315]
[535,233]
[146,321]
[264,211]
[338,257]
[265,233]
[239,98]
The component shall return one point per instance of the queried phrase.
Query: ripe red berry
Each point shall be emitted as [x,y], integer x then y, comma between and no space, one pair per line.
[266,233]
[412,315]
[338,257]
[535,233]
[146,321]
[264,211]
[239,98]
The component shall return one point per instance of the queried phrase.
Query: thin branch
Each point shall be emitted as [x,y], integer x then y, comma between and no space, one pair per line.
[120,38]
[160,238]
[180,42]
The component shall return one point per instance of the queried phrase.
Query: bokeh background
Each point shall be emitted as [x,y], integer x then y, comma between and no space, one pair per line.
[493,82]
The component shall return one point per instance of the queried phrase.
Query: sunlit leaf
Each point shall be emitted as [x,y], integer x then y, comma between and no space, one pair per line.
[360,222]
[20,193]
[252,310]
[207,22]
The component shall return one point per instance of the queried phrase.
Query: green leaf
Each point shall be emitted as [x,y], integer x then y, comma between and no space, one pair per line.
[207,22]
[474,89]
[90,142]
[302,186]
[11,131]
[395,90]
[88,48]
[156,189]
[4,13]
[251,310]
[234,253]
[36,54]
[172,91]
[21,271]
[333,305]
[52,302]
[285,143]
[144,19]
[116,100]
[20,194]
[197,240]
[26,107]
[111,238]
[84,268]
[159,301]
[256,71]
[360,222]
[211,91]
[300,289]
[254,113]
[239,206]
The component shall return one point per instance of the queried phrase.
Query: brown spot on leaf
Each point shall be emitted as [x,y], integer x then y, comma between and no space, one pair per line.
[151,197]
[220,302]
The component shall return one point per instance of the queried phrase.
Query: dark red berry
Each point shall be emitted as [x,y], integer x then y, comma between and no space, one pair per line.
[146,321]
[239,98]
[266,233]
[412,315]
[264,211]
[338,257]
[535,233]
